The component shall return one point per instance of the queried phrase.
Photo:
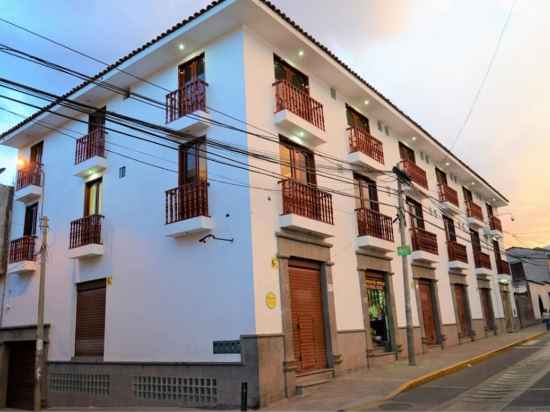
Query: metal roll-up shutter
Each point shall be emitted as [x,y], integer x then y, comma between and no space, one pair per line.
[307,315]
[90,318]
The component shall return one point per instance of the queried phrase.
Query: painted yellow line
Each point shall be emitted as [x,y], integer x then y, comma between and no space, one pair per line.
[421,380]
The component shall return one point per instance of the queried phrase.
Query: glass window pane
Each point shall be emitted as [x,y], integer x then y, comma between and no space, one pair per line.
[284,154]
[300,165]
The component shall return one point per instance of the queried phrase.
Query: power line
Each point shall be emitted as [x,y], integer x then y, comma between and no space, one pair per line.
[485,77]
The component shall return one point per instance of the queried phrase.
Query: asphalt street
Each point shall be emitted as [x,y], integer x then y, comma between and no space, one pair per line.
[515,380]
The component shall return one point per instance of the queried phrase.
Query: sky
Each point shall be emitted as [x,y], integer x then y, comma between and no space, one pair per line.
[428,56]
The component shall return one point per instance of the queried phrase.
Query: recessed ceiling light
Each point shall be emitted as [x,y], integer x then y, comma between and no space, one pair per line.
[181,46]
[366,101]
[301,134]
[473,183]
[301,53]
[413,138]
[447,164]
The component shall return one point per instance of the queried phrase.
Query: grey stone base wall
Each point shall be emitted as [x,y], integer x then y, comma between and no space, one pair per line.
[353,347]
[201,385]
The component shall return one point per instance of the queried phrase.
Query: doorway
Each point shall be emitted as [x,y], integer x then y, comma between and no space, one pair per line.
[427,307]
[487,306]
[20,391]
[377,292]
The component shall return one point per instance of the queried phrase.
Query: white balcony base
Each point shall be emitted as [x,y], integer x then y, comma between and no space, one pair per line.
[90,166]
[25,266]
[374,243]
[483,272]
[28,194]
[86,251]
[424,257]
[194,123]
[496,234]
[199,224]
[304,224]
[449,208]
[475,223]
[417,191]
[457,265]
[299,129]
[361,160]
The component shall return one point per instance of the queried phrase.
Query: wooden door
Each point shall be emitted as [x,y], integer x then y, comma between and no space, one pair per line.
[31,220]
[190,72]
[20,393]
[406,153]
[468,198]
[416,214]
[463,317]
[450,231]
[428,311]
[357,120]
[90,318]
[487,307]
[476,241]
[307,315]
[36,153]
[96,120]
[441,176]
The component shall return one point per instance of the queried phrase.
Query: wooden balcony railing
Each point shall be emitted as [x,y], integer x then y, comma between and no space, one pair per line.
[503,267]
[306,201]
[482,260]
[85,231]
[495,223]
[372,223]
[299,102]
[417,174]
[186,100]
[457,252]
[424,241]
[448,194]
[22,249]
[474,211]
[93,144]
[361,141]
[187,201]
[30,175]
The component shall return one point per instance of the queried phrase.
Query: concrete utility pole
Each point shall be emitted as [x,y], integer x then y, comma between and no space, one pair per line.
[39,359]
[403,177]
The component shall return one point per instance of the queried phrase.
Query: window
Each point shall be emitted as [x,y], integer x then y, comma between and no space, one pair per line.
[297,162]
[284,71]
[90,318]
[490,212]
[406,153]
[36,153]
[356,119]
[467,196]
[96,120]
[366,195]
[191,71]
[416,214]
[476,242]
[192,163]
[441,177]
[518,273]
[93,197]
[31,219]
[449,229]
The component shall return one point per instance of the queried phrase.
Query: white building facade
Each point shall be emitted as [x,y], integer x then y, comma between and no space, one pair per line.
[245,233]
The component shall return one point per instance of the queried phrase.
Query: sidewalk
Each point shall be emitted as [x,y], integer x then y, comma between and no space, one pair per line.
[368,386]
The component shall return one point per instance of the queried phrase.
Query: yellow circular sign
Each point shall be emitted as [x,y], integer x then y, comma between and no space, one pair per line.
[271,300]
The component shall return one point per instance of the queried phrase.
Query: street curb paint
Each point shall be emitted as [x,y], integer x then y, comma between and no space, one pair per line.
[421,380]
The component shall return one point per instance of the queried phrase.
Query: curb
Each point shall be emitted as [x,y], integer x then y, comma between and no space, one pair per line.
[421,380]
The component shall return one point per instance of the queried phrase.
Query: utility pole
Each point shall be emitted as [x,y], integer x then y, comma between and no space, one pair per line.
[39,357]
[404,251]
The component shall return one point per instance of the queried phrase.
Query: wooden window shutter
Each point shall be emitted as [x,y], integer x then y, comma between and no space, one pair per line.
[90,318]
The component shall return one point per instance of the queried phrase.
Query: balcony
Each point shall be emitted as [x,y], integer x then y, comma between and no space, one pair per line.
[424,246]
[503,268]
[85,237]
[186,109]
[89,155]
[187,210]
[365,150]
[475,215]
[306,209]
[375,231]
[28,187]
[495,226]
[449,199]
[21,258]
[482,263]
[417,175]
[458,257]
[298,114]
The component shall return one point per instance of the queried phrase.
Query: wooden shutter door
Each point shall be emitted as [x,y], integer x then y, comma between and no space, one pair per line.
[462,313]
[307,316]
[90,318]
[427,308]
[20,391]
[487,306]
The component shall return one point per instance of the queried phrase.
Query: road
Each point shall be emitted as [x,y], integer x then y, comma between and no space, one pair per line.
[515,380]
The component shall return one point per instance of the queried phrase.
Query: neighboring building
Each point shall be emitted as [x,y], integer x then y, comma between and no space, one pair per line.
[295,284]
[6,206]
[531,278]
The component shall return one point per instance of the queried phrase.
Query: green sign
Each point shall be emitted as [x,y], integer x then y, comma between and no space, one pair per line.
[404,250]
